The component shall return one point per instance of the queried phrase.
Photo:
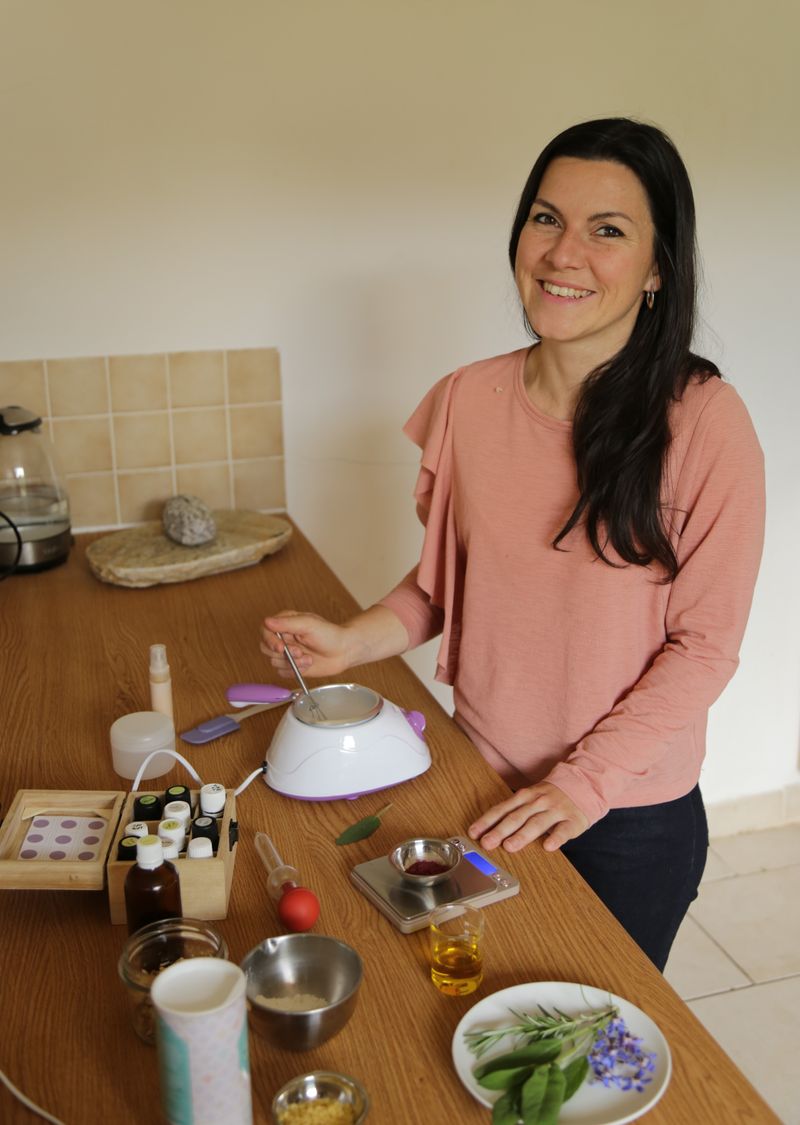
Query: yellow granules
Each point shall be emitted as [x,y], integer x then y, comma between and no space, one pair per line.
[322,1111]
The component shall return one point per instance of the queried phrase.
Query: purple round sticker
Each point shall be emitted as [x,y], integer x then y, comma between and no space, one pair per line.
[29,853]
[63,839]
[41,822]
[68,823]
[35,838]
[97,824]
[57,855]
[90,839]
[86,855]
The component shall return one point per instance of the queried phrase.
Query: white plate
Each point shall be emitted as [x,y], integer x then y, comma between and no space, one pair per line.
[593,1104]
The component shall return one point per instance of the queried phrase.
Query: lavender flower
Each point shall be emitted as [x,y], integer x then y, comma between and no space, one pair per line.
[616,1058]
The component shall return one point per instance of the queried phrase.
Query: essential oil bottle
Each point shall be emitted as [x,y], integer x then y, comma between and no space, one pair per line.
[152,887]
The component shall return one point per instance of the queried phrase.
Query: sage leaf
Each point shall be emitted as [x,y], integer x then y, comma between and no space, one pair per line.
[532,1095]
[362,829]
[505,1110]
[553,1096]
[542,1051]
[574,1074]
[503,1079]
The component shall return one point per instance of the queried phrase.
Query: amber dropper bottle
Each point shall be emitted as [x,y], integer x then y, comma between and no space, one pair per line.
[152,887]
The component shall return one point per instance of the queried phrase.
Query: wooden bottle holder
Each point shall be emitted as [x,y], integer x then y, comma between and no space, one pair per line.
[205,883]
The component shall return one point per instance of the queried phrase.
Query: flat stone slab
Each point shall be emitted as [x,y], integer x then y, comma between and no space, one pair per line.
[145,556]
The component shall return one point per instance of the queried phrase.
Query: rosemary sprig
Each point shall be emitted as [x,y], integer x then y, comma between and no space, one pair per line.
[549,1025]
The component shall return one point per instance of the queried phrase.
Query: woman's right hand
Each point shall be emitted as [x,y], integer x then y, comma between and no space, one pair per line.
[321,648]
[318,647]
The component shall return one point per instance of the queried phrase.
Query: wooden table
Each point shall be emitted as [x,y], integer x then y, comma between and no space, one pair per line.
[73,657]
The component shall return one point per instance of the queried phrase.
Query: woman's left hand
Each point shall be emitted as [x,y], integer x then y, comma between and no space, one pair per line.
[536,810]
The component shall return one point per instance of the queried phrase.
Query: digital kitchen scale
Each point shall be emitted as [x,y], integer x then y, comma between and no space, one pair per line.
[476,880]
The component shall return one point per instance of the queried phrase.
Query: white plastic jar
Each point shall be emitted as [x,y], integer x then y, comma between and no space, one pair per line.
[135,736]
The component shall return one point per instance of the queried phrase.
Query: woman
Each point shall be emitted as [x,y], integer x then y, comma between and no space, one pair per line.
[594,519]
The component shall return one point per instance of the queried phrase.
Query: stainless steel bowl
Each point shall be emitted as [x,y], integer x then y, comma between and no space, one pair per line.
[295,969]
[428,849]
[309,1088]
[342,705]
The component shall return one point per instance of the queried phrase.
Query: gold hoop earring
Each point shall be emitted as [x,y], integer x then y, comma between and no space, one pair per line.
[649,299]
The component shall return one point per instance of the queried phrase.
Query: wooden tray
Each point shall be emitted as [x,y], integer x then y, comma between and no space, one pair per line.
[145,556]
[54,874]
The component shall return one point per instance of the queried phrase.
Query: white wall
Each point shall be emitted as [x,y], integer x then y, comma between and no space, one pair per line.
[337,179]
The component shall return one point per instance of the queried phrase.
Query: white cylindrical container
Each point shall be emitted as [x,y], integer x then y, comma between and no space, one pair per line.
[178,810]
[212,799]
[135,736]
[160,680]
[200,848]
[173,831]
[137,828]
[201,1032]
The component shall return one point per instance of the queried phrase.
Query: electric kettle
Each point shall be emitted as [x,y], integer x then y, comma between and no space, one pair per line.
[34,510]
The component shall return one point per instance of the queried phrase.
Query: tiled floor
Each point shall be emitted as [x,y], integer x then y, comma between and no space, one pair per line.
[736,960]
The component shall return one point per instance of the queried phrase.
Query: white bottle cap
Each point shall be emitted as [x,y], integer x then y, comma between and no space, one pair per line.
[158,659]
[149,852]
[212,799]
[172,830]
[200,848]
[137,828]
[170,849]
[178,810]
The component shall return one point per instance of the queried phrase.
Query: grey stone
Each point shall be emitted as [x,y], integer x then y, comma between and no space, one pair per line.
[187,520]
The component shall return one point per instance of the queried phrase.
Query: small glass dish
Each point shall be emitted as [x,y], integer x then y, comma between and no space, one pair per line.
[307,1089]
[153,948]
[428,851]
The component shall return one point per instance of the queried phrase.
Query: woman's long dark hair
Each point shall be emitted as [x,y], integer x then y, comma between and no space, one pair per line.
[621,430]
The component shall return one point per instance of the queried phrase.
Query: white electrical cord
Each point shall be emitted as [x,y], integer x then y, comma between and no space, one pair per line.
[256,773]
[9,1085]
[172,754]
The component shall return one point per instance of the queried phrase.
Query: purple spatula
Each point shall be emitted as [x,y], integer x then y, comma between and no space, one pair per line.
[227,724]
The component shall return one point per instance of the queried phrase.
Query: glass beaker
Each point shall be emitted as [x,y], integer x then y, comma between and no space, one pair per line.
[456,948]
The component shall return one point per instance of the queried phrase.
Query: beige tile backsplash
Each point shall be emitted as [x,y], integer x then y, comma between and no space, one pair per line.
[131,431]
[77,386]
[197,378]
[138,382]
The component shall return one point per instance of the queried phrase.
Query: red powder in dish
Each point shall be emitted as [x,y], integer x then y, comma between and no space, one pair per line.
[426,867]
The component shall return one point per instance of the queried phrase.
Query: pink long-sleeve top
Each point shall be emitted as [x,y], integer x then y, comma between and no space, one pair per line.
[595,678]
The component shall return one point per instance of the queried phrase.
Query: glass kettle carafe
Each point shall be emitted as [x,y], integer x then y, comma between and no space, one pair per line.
[34,510]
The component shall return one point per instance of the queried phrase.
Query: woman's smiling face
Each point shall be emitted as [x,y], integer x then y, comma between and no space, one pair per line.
[585,255]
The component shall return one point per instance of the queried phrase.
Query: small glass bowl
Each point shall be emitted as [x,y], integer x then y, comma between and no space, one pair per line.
[153,948]
[306,1089]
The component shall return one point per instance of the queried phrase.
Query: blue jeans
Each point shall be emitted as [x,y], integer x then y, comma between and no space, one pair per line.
[645,864]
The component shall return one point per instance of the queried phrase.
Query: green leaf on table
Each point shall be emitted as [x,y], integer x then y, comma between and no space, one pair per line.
[362,828]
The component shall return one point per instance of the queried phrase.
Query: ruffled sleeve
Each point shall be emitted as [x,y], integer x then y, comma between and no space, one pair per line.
[429,599]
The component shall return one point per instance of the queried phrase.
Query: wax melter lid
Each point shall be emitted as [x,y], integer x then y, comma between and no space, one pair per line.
[142,730]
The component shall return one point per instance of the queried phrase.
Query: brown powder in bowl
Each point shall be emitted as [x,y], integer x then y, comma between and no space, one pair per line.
[322,1111]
